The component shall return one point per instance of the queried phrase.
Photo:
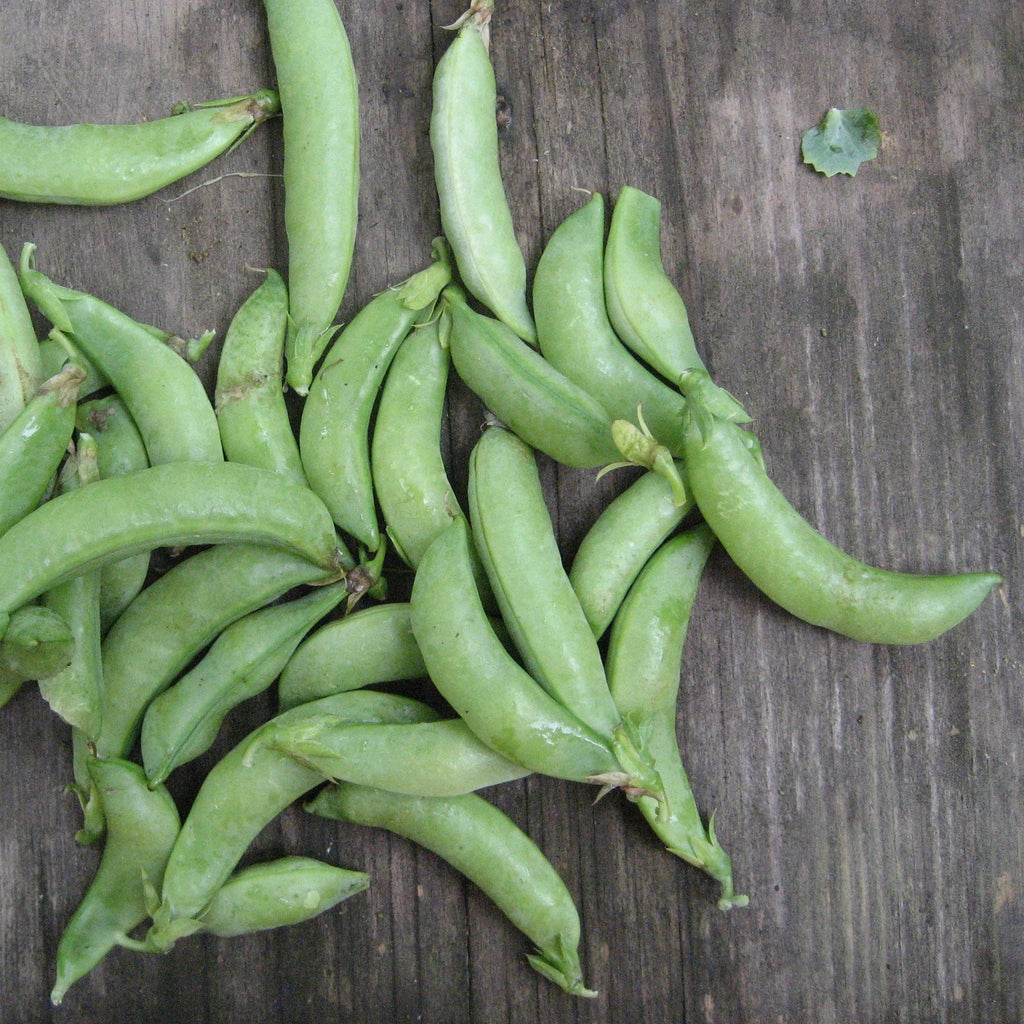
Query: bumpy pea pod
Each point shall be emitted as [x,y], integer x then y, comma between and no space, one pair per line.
[334,432]
[246,658]
[249,400]
[166,398]
[576,336]
[514,536]
[486,846]
[249,787]
[121,451]
[320,101]
[475,216]
[494,695]
[643,305]
[521,388]
[179,503]
[37,644]
[103,164]
[644,655]
[32,446]
[20,363]
[142,825]
[793,564]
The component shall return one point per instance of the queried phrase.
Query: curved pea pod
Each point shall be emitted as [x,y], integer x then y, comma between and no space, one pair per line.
[334,432]
[475,216]
[576,336]
[525,392]
[175,504]
[246,658]
[38,643]
[249,399]
[142,825]
[103,164]
[20,361]
[249,787]
[793,564]
[166,398]
[316,78]
[489,849]
[645,309]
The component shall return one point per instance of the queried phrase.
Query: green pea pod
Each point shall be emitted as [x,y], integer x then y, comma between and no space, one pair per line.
[320,101]
[486,846]
[373,645]
[249,787]
[166,398]
[793,564]
[514,536]
[249,401]
[525,392]
[176,504]
[32,446]
[576,336]
[475,216]
[246,658]
[142,825]
[37,644]
[334,432]
[103,164]
[647,312]
[20,364]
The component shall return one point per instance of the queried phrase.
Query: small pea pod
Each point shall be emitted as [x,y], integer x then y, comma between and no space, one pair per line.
[166,398]
[475,216]
[103,164]
[142,825]
[644,307]
[20,363]
[38,643]
[793,564]
[249,400]
[488,848]
[32,446]
[334,432]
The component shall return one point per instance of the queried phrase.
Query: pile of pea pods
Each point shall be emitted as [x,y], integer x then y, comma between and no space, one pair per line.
[282,540]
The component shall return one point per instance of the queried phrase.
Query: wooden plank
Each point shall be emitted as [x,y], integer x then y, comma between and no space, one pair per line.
[873,326]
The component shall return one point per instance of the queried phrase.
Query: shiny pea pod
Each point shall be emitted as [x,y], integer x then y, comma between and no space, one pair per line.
[793,564]
[103,164]
[20,362]
[488,848]
[645,308]
[475,216]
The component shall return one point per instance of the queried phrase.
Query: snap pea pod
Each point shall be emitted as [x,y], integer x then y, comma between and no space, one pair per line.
[166,398]
[525,392]
[249,787]
[103,164]
[576,336]
[645,308]
[142,825]
[645,651]
[175,504]
[334,432]
[475,216]
[514,536]
[38,643]
[32,446]
[793,564]
[246,658]
[249,399]
[20,365]
[488,848]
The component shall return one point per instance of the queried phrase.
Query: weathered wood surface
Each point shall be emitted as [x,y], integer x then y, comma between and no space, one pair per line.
[870,797]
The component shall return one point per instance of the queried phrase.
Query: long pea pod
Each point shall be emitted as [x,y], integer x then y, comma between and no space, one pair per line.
[488,848]
[334,432]
[316,79]
[20,363]
[103,164]
[475,216]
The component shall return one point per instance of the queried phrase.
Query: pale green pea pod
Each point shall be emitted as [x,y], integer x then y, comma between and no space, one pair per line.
[486,846]
[20,364]
[103,164]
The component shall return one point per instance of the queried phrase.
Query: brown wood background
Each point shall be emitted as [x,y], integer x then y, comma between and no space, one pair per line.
[870,797]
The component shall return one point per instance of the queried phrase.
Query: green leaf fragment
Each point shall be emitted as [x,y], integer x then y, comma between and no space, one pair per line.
[842,141]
